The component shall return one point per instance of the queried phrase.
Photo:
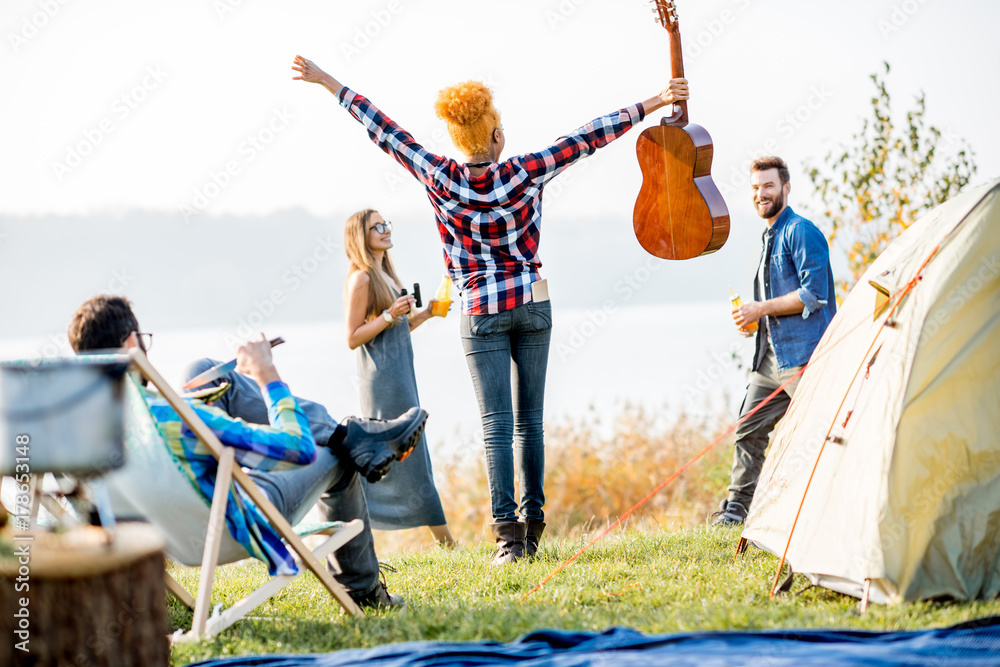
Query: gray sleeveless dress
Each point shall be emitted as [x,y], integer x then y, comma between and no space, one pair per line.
[406,497]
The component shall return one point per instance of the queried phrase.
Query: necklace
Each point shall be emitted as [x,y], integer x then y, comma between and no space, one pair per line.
[478,164]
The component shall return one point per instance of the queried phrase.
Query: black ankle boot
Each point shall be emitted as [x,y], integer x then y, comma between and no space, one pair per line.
[510,542]
[533,529]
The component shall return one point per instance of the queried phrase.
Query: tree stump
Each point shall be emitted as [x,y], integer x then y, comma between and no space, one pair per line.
[74,599]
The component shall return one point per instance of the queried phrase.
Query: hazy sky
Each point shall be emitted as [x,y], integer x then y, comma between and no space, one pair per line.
[122,105]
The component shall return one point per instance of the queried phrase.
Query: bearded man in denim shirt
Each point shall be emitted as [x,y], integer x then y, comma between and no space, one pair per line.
[794,302]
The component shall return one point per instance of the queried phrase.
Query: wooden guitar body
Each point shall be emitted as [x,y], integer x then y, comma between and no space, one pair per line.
[679,213]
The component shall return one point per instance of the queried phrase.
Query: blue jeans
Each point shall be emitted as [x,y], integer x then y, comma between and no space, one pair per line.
[509,418]
[295,490]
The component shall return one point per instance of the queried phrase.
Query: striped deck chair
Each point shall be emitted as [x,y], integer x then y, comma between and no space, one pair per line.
[152,487]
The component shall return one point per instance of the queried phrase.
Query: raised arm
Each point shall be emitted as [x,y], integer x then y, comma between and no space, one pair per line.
[311,73]
[676,91]
[287,441]
[387,135]
[585,140]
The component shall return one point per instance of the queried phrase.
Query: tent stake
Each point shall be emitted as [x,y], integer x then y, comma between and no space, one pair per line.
[864,596]
[741,546]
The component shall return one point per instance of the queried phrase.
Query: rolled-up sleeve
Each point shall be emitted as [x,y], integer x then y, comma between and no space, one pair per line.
[811,254]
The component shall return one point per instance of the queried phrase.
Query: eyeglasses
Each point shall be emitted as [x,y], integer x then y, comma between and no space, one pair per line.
[382,227]
[145,341]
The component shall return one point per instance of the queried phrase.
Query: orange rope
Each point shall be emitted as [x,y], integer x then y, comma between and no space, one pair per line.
[662,484]
[901,293]
[684,467]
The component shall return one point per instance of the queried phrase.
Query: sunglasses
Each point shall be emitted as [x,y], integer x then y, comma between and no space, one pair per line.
[382,227]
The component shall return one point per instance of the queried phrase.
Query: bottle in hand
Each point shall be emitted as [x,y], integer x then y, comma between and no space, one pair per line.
[442,300]
[737,302]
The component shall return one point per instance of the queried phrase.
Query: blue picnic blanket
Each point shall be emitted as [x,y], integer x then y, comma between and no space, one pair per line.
[969,644]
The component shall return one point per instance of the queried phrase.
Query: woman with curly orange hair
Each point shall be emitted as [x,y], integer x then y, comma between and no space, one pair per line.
[488,215]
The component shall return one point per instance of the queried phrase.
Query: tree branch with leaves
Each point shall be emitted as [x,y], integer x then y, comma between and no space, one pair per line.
[885,178]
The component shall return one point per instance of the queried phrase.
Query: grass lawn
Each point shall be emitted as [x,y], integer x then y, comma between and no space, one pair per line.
[654,582]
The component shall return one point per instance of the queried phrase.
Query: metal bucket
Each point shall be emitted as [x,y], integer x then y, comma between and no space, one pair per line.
[62,415]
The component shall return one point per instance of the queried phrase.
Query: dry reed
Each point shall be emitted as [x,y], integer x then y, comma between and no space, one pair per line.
[594,473]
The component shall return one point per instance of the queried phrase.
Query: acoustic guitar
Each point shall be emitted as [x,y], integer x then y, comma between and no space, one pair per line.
[679,213]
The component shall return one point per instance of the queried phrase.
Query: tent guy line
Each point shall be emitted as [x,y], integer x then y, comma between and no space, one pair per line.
[896,299]
[662,485]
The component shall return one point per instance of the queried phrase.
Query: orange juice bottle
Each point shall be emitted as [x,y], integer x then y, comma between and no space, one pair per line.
[737,302]
[442,300]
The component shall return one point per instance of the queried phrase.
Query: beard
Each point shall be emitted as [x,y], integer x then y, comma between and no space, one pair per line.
[771,209]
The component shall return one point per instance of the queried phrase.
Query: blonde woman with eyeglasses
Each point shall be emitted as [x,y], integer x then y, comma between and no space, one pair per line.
[379,321]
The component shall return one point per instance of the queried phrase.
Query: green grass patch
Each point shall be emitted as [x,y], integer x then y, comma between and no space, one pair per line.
[655,582]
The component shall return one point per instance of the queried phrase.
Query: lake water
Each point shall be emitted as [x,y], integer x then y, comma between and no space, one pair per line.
[668,358]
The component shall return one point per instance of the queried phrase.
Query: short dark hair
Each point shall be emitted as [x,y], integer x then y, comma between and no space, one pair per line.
[771,162]
[102,323]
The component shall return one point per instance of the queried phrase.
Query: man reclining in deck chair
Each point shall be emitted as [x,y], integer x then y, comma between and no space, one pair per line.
[275,436]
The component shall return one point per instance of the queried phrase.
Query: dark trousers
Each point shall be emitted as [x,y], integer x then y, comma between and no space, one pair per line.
[343,501]
[753,434]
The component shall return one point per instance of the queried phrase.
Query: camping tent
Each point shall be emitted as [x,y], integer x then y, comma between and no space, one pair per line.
[897,421]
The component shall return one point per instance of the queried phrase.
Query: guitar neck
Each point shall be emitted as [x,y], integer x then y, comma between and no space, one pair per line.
[677,68]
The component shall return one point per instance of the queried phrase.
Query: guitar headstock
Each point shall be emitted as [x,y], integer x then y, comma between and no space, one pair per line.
[666,14]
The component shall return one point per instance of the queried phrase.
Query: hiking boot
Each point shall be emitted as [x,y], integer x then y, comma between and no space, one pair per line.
[379,598]
[533,529]
[373,444]
[510,542]
[731,513]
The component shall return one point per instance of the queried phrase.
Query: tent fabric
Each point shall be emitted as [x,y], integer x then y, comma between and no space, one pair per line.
[906,492]
[974,644]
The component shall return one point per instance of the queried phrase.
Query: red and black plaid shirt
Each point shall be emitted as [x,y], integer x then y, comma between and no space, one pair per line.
[489,224]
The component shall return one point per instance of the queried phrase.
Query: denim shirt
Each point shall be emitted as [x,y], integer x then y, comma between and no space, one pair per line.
[799,261]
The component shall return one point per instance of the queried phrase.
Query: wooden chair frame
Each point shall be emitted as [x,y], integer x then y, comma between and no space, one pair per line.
[229,473]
